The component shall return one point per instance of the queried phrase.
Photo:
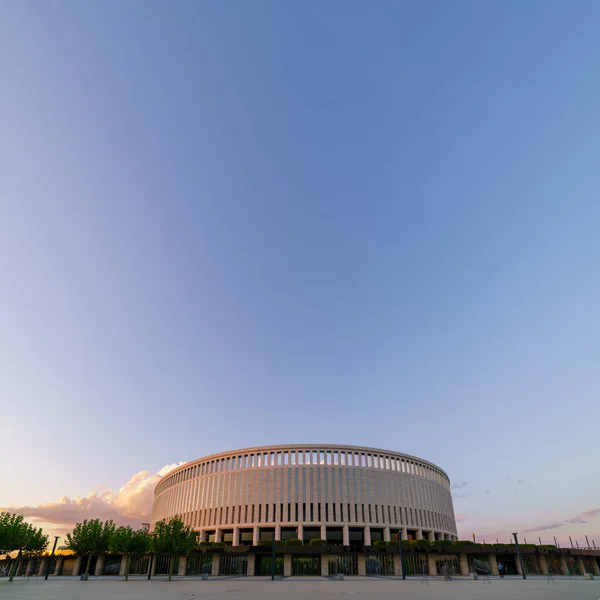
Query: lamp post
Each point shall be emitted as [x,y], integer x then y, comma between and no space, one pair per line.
[400,553]
[273,559]
[50,558]
[520,557]
[150,565]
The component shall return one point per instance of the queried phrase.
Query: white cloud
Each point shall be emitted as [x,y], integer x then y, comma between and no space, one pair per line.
[129,505]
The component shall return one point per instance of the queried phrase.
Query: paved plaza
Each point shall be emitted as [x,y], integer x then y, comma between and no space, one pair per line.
[300,588]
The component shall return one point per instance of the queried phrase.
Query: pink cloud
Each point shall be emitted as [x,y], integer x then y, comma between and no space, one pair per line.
[129,505]
[592,512]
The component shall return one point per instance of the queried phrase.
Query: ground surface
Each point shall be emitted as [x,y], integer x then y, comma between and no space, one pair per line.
[299,588]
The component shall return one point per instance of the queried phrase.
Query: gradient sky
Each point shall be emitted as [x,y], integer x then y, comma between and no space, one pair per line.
[227,224]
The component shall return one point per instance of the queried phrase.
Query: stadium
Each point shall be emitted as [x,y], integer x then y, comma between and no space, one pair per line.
[345,495]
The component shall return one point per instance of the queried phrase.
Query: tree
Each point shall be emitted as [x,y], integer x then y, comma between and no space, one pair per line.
[127,541]
[16,534]
[174,539]
[89,538]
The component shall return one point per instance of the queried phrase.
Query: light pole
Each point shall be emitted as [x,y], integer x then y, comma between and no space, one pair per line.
[520,557]
[150,565]
[273,559]
[400,553]
[50,558]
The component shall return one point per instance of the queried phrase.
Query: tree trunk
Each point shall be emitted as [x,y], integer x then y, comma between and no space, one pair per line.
[127,566]
[171,563]
[87,567]
[16,567]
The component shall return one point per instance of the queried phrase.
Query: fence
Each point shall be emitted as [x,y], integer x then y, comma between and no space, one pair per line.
[379,564]
[233,564]
[138,564]
[447,564]
[345,564]
[199,564]
[306,565]
[415,564]
[531,564]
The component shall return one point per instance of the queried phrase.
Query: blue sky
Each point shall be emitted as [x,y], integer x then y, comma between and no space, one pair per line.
[228,224]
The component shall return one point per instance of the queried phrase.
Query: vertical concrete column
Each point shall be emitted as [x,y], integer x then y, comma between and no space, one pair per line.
[216,564]
[431,566]
[287,565]
[397,566]
[324,565]
[367,535]
[431,536]
[43,565]
[464,564]
[404,532]
[494,564]
[519,569]
[29,571]
[255,535]
[59,564]
[581,566]
[301,532]
[323,532]
[543,565]
[278,532]
[20,567]
[123,565]
[386,534]
[77,566]
[236,536]
[99,570]
[563,565]
[202,535]
[346,535]
[362,565]
[182,566]
[251,565]
[218,535]
[419,534]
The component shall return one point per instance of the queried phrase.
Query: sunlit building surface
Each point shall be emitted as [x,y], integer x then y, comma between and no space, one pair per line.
[348,495]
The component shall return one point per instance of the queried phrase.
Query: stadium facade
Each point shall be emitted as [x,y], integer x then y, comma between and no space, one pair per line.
[349,495]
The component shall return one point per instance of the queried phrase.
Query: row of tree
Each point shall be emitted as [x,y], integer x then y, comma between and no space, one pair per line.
[94,538]
[17,535]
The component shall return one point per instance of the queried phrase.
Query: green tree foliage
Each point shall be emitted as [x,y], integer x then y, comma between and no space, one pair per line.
[89,538]
[16,534]
[174,539]
[128,541]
